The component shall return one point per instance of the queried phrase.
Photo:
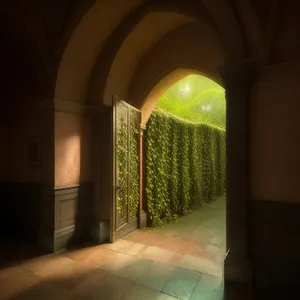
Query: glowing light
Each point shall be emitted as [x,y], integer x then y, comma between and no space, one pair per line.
[206,107]
[185,89]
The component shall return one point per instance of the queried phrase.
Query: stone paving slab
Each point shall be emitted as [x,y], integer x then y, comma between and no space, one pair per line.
[168,264]
[201,233]
[140,292]
[182,283]
[208,288]
[156,277]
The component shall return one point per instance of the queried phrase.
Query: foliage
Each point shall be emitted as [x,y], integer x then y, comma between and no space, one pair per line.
[185,166]
[134,165]
[128,162]
[196,98]
[122,162]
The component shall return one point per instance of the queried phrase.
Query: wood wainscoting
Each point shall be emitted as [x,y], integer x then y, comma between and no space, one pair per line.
[66,216]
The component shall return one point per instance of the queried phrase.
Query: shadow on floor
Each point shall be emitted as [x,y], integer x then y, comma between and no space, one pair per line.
[170,263]
[14,251]
[101,273]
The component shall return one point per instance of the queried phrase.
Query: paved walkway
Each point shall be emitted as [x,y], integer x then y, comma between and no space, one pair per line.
[181,261]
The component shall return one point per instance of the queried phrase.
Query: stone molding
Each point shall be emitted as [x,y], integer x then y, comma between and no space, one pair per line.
[100,233]
[69,107]
[142,220]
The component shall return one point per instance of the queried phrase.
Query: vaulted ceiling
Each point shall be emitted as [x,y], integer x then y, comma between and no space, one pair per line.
[78,50]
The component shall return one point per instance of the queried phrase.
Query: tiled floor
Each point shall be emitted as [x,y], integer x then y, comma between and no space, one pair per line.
[181,261]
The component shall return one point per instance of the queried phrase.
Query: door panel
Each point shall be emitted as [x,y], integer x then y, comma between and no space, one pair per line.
[126,123]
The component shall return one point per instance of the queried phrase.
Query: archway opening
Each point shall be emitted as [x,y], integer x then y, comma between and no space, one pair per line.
[184,175]
[126,66]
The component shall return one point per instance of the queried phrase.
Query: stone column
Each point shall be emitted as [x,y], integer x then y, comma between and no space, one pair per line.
[142,214]
[238,83]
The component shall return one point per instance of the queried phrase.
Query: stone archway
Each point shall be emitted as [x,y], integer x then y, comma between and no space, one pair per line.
[162,84]
[148,104]
[91,59]
[89,53]
[237,83]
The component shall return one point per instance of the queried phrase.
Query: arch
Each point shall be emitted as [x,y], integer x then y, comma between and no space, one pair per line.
[163,84]
[152,28]
[171,54]
[252,29]
[90,54]
[89,47]
[133,23]
[87,40]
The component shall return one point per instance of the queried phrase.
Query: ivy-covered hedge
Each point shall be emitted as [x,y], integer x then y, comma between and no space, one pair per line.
[185,166]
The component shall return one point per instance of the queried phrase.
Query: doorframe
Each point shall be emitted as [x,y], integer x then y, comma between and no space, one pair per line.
[112,237]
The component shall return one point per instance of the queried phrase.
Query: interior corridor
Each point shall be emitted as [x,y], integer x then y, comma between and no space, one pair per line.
[181,261]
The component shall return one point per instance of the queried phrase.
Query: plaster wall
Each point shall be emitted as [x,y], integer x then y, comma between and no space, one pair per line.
[26,125]
[287,43]
[4,158]
[183,49]
[146,34]
[72,149]
[20,198]
[274,178]
[85,44]
[275,134]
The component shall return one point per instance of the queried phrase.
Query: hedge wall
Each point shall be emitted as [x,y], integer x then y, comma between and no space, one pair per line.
[185,166]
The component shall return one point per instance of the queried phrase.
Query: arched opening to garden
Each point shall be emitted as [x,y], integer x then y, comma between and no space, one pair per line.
[185,150]
[130,61]
[184,176]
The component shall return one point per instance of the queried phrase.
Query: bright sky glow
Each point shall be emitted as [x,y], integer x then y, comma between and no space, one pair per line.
[196,98]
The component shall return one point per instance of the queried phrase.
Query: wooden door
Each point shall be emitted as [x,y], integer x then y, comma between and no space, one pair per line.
[126,181]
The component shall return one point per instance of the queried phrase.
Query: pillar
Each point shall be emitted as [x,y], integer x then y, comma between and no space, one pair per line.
[65,207]
[101,225]
[238,82]
[142,213]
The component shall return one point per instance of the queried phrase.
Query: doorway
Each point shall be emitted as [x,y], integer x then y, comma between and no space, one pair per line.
[199,229]
[191,238]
